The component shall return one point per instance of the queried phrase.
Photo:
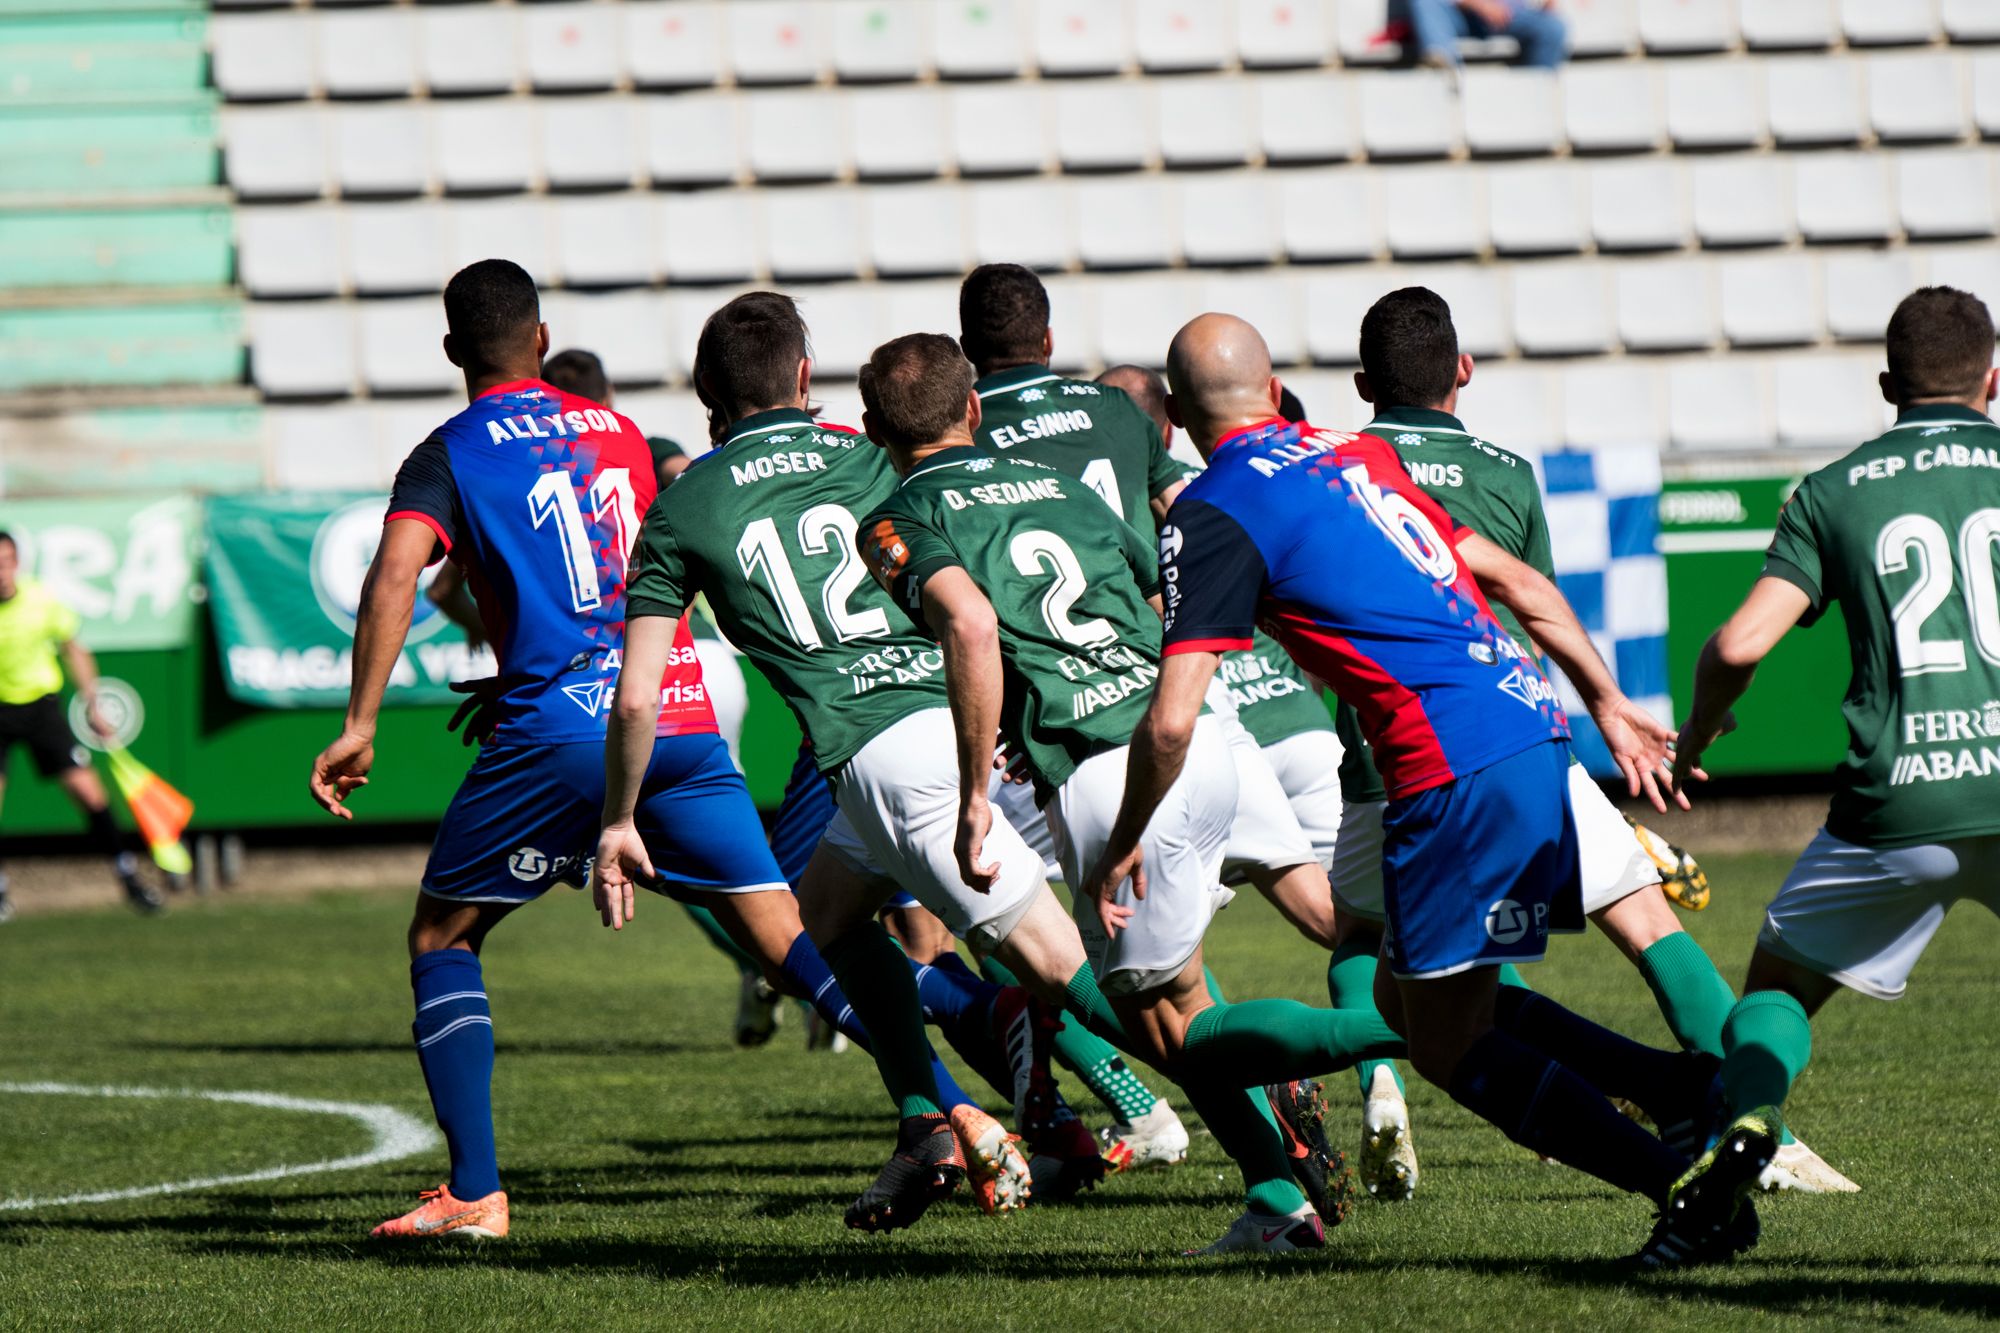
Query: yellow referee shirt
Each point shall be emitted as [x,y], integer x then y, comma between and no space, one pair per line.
[33,624]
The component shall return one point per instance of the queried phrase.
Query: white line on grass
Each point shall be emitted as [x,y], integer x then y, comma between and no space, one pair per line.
[395,1135]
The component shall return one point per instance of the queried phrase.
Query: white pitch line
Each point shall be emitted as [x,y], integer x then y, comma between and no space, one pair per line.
[395,1135]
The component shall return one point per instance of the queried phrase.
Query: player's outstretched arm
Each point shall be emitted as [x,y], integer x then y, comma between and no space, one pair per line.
[1159,749]
[628,749]
[380,626]
[1729,662]
[969,632]
[81,664]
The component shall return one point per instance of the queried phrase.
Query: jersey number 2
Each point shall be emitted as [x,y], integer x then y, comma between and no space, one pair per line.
[553,496]
[1917,655]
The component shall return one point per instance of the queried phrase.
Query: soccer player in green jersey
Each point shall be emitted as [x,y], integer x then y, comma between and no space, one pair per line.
[1900,533]
[1046,607]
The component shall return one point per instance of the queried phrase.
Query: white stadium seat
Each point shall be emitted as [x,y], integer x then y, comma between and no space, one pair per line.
[708,236]
[687,309]
[793,136]
[812,232]
[1073,315]
[367,52]
[289,250]
[1361,30]
[1916,97]
[1137,316]
[275,152]
[1681,26]
[381,149]
[978,39]
[1538,208]
[1306,118]
[263,55]
[693,138]
[1986,94]
[1514,406]
[627,330]
[1126,222]
[1971,20]
[1721,403]
[1602,27]
[486,146]
[1844,196]
[1029,222]
[1279,34]
[1970,268]
[1612,107]
[1329,399]
[1331,213]
[604,240]
[400,345]
[1769,300]
[1000,128]
[1174,35]
[1434,212]
[1741,200]
[916,229]
[1511,110]
[470,49]
[313,448]
[1336,299]
[1082,37]
[1103,126]
[1205,121]
[1640,205]
[1228,217]
[1828,400]
[518,229]
[1862,289]
[1889,22]
[846,320]
[303,349]
[398,425]
[589,142]
[1715,104]
[1563,308]
[775,41]
[897,132]
[878,40]
[1788,25]
[929,306]
[1271,304]
[1478,297]
[1814,99]
[396,248]
[1613,402]
[571,47]
[673,43]
[1666,305]
[1946,192]
[1407,113]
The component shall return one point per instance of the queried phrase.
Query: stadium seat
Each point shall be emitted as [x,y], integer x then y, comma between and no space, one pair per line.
[1900,23]
[1336,299]
[314,448]
[1970,268]
[1788,25]
[399,346]
[304,349]
[673,43]
[572,47]
[1916,97]
[398,426]
[1027,222]
[693,138]
[1361,30]
[1073,315]
[1538,208]
[1743,201]
[1205,121]
[1478,298]
[397,248]
[794,136]
[1306,118]
[1844,197]
[289,250]
[1814,99]
[708,236]
[1328,397]
[811,233]
[1946,192]
[1137,316]
[1986,94]
[589,142]
[1270,302]
[520,229]
[1715,104]
[627,330]
[675,414]
[1666,305]
[875,41]
[1434,212]
[470,49]
[1407,113]
[604,240]
[916,229]
[1676,27]
[1639,205]
[1000,129]
[1862,289]
[1971,21]
[1768,300]
[1720,403]
[1563,308]
[927,305]
[381,150]
[366,52]
[1331,213]
[275,152]
[486,147]
[1828,400]
[1612,107]
[1126,223]
[846,323]
[775,41]
[896,132]
[1511,111]
[1602,27]
[978,39]
[1513,405]
[262,56]
[1228,217]
[1613,402]
[1282,34]
[1082,37]
[1171,35]
[1103,126]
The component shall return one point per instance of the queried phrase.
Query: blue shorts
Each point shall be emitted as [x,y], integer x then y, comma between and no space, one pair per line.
[802,819]
[526,818]
[1478,872]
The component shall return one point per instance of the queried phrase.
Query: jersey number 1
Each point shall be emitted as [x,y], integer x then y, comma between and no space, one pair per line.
[553,496]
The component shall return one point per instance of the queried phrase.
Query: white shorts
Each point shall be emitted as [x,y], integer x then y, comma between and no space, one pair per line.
[1862,916]
[722,679]
[896,821]
[1612,864]
[1308,768]
[1265,832]
[1016,800]
[1183,848]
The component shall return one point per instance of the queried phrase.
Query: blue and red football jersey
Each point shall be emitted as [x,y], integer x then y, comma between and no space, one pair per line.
[1323,538]
[537,495]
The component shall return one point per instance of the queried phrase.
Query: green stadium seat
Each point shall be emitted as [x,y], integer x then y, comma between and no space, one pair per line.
[202,447]
[104,247]
[180,342]
[134,146]
[98,54]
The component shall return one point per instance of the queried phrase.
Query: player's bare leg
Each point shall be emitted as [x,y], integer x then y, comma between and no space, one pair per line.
[1302,896]
[923,936]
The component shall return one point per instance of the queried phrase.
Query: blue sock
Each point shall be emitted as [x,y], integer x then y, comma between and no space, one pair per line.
[807,971]
[454,1032]
[953,996]
[949,1093]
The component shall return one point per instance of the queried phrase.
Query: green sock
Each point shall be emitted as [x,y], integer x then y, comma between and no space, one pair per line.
[1766,1040]
[705,921]
[1092,1059]
[1092,1007]
[1214,986]
[883,991]
[1511,976]
[1350,984]
[1694,999]
[1243,1124]
[1271,1041]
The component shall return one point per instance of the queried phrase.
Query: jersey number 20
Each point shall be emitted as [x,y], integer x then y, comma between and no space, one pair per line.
[1900,536]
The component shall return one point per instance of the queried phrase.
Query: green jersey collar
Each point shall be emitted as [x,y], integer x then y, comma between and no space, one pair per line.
[763,423]
[1416,418]
[1012,378]
[1933,414]
[958,455]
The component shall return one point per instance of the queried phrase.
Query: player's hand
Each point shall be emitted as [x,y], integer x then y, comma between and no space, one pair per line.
[1011,764]
[621,854]
[95,719]
[1690,747]
[341,768]
[1101,884]
[1643,748]
[975,820]
[478,714]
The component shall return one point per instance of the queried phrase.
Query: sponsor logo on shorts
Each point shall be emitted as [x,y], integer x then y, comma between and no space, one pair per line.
[1506,922]
[529,864]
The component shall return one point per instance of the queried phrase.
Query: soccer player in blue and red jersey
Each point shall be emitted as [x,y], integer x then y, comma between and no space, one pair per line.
[1323,539]
[535,494]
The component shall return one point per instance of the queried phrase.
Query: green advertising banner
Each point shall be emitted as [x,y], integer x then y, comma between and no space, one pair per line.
[284,586]
[126,567]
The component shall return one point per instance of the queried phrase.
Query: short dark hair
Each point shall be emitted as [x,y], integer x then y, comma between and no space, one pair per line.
[1151,395]
[1409,349]
[1003,315]
[579,372]
[489,308]
[1940,344]
[7,539]
[915,388]
[748,355]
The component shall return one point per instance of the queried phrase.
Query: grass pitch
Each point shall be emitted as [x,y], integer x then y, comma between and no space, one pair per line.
[660,1177]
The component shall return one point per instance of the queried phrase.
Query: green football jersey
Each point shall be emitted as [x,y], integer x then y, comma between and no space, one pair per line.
[1068,580]
[1274,698]
[764,528]
[1904,533]
[1092,432]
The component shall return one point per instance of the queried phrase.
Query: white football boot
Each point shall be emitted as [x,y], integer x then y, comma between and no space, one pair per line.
[1256,1233]
[1388,1156]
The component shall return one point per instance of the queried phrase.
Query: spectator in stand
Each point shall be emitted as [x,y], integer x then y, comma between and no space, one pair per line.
[1435,27]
